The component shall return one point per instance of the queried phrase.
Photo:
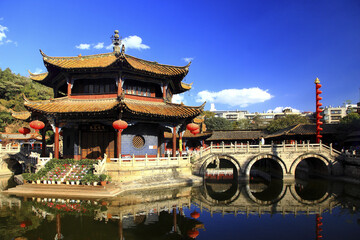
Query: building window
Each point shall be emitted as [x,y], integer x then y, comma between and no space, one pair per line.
[138,141]
[94,86]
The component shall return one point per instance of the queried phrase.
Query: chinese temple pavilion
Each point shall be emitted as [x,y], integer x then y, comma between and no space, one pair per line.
[92,92]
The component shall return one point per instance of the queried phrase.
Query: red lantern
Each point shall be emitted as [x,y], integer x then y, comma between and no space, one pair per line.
[192,126]
[195,214]
[37,125]
[318,128]
[22,224]
[193,233]
[196,131]
[120,124]
[24,130]
[318,98]
[318,85]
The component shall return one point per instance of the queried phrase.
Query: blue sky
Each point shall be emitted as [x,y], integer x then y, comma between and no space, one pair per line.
[247,55]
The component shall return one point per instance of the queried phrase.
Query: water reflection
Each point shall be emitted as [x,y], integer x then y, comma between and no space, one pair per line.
[186,212]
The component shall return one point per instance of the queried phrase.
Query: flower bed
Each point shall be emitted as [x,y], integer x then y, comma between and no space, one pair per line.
[66,171]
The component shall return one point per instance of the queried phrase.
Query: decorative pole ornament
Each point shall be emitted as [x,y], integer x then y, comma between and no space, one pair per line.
[318,110]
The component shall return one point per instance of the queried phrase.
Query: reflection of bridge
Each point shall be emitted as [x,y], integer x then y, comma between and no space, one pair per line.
[278,198]
[287,156]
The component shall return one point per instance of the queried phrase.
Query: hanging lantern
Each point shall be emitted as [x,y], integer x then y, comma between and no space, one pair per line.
[120,124]
[193,233]
[24,130]
[196,131]
[195,214]
[37,125]
[192,126]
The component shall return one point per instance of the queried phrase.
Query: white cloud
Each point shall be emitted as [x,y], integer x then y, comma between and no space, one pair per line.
[281,109]
[38,71]
[109,47]
[178,98]
[3,29]
[100,45]
[134,42]
[83,46]
[235,97]
[1,18]
[188,59]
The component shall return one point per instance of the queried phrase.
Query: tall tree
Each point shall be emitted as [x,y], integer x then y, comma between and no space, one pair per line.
[218,123]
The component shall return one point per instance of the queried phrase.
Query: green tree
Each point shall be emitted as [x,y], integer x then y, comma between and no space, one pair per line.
[208,114]
[242,124]
[218,123]
[5,119]
[287,121]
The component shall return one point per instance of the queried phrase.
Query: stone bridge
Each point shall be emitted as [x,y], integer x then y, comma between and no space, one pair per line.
[322,159]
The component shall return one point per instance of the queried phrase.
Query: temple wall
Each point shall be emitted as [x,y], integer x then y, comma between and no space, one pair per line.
[149,132]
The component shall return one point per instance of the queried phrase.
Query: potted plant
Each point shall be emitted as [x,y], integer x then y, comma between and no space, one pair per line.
[102,179]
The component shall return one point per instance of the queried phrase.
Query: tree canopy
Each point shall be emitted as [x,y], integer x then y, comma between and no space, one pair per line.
[287,121]
[218,123]
[12,87]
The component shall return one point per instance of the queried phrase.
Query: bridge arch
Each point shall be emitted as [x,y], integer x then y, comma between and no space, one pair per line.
[323,159]
[220,156]
[298,198]
[279,195]
[265,156]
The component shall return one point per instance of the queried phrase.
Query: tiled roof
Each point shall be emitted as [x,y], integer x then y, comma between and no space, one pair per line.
[161,109]
[235,135]
[106,59]
[21,115]
[66,105]
[38,77]
[188,134]
[304,129]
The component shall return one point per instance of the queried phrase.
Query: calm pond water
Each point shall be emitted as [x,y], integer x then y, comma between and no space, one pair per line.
[314,209]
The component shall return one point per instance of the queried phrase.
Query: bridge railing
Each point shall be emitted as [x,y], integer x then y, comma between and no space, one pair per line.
[133,161]
[269,148]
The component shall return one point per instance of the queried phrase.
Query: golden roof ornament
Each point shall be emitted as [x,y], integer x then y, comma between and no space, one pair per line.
[317,80]
[116,42]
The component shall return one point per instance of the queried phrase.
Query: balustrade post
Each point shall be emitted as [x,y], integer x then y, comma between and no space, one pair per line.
[120,160]
[320,143]
[168,160]
[272,146]
[247,147]
[308,145]
[283,146]
[146,159]
[178,158]
[133,160]
[296,146]
[235,147]
[223,147]
[259,146]
[331,149]
[201,151]
[211,147]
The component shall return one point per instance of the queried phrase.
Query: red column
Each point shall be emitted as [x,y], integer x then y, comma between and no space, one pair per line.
[180,143]
[118,145]
[69,88]
[56,142]
[164,92]
[174,142]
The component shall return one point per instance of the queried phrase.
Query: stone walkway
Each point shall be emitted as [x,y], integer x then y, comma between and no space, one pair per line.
[67,191]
